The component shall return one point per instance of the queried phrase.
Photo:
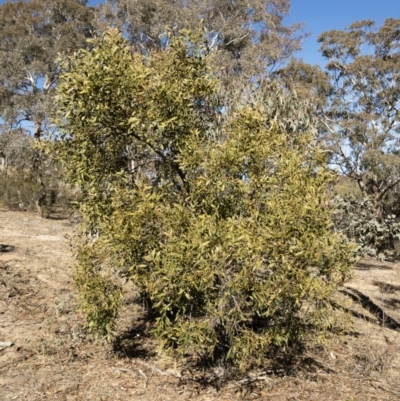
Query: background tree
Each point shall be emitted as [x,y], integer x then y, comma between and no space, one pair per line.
[32,34]
[16,150]
[250,35]
[225,227]
[362,117]
[19,188]
[308,81]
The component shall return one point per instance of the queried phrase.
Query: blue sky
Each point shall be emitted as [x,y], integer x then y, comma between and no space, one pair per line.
[325,15]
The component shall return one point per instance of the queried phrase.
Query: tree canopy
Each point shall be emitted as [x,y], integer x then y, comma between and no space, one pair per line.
[362,116]
[251,36]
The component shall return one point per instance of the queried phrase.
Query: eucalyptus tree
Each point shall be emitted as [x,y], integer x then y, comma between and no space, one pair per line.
[310,82]
[16,149]
[250,35]
[32,35]
[361,119]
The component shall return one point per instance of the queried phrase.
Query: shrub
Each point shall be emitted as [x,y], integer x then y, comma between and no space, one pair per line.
[224,226]
[356,218]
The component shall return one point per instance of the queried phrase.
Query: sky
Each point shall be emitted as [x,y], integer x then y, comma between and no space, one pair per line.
[325,15]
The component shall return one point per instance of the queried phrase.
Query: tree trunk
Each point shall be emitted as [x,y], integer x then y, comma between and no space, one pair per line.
[39,204]
[3,163]
[38,166]
[378,206]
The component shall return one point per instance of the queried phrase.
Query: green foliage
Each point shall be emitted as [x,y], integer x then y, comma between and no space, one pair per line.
[225,227]
[345,187]
[19,190]
[100,295]
[16,149]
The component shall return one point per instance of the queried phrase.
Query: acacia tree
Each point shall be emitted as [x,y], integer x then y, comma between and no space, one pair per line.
[250,35]
[32,34]
[362,117]
[225,227]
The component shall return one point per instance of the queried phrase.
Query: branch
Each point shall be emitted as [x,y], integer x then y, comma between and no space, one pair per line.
[174,165]
[361,185]
[30,78]
[387,188]
[49,82]
[214,39]
[234,40]
[327,126]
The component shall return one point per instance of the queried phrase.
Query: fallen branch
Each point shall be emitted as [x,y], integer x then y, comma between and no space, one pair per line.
[253,379]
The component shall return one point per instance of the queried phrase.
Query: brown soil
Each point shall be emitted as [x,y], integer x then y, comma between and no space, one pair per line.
[52,359]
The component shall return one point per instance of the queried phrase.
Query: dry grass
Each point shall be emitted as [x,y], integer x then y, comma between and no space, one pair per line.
[52,359]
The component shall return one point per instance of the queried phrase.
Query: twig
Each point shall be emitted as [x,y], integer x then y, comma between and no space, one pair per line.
[249,380]
[235,39]
[145,377]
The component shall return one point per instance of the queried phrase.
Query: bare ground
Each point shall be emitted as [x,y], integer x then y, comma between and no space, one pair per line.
[52,359]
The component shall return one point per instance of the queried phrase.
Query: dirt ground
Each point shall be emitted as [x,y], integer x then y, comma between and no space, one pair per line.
[52,359]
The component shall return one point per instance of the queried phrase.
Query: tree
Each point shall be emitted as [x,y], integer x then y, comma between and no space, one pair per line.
[362,117]
[224,227]
[32,34]
[308,81]
[251,36]
[16,150]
